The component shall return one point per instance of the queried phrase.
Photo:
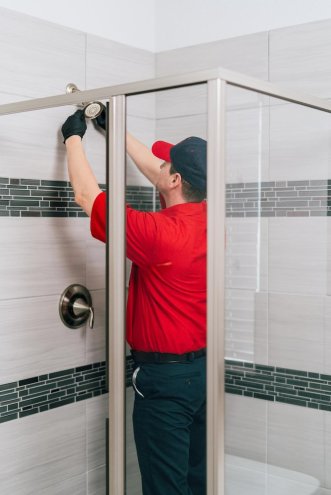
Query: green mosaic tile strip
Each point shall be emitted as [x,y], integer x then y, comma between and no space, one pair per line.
[48,391]
[297,387]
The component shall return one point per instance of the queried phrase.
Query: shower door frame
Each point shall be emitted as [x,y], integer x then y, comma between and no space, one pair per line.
[217,81]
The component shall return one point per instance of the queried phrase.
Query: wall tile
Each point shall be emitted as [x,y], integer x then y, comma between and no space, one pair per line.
[133,478]
[96,337]
[35,341]
[41,152]
[35,449]
[239,324]
[327,335]
[296,331]
[73,486]
[261,328]
[95,262]
[38,58]
[95,145]
[295,439]
[299,57]
[41,256]
[247,145]
[327,433]
[246,54]
[109,63]
[299,143]
[246,427]
[246,253]
[96,481]
[96,414]
[297,255]
[177,129]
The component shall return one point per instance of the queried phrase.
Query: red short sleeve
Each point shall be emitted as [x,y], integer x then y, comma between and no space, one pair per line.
[98,223]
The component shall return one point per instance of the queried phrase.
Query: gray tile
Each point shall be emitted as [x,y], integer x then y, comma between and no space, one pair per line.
[297,255]
[42,256]
[299,57]
[246,427]
[34,339]
[295,328]
[296,440]
[34,450]
[38,58]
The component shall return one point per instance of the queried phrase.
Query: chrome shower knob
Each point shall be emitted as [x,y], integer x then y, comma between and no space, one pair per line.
[75,306]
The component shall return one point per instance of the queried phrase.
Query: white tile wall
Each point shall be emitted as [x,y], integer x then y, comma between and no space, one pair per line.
[327,433]
[299,57]
[261,328]
[246,427]
[246,261]
[38,58]
[34,340]
[239,324]
[247,145]
[296,439]
[40,256]
[297,255]
[43,450]
[295,331]
[299,143]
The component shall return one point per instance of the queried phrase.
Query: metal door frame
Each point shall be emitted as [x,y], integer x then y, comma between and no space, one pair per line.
[217,81]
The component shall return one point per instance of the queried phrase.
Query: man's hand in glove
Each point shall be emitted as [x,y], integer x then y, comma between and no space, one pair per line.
[75,125]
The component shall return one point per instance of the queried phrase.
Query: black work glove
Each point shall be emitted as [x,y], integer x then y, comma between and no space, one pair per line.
[75,125]
[101,120]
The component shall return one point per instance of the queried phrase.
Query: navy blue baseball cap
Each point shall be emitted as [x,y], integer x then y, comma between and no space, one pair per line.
[189,157]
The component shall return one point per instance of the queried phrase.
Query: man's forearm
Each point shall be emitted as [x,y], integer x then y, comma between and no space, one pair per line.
[82,179]
[147,163]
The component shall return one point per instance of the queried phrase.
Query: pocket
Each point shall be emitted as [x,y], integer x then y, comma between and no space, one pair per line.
[134,381]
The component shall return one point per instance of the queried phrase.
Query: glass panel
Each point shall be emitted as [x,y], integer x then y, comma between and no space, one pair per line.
[170,116]
[278,372]
[52,378]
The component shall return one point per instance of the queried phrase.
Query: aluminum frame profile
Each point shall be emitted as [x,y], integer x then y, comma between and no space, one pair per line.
[169,82]
[116,154]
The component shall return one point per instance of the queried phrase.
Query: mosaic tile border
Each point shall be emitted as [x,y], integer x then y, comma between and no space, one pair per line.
[47,198]
[50,198]
[299,198]
[48,391]
[296,387]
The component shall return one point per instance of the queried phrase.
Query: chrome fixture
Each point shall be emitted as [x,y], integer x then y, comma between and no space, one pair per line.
[75,306]
[93,109]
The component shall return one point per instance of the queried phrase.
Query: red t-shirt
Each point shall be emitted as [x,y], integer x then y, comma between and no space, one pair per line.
[166,309]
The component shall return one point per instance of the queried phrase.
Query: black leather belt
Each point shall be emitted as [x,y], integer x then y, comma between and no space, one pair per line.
[165,357]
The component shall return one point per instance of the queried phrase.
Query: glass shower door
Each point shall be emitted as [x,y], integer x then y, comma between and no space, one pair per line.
[52,377]
[278,375]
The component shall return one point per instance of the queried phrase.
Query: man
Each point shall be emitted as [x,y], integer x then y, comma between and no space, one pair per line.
[166,310]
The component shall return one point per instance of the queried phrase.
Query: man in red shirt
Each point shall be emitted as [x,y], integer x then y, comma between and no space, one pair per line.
[166,310]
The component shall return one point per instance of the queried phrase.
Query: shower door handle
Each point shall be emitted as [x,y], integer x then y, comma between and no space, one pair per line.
[75,306]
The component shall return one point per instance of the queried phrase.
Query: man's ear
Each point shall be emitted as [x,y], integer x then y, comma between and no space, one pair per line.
[175,179]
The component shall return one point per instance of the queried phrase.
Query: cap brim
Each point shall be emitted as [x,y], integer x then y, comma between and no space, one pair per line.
[161,149]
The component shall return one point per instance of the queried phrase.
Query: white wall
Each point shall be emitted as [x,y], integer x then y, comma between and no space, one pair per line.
[159,25]
[190,22]
[125,21]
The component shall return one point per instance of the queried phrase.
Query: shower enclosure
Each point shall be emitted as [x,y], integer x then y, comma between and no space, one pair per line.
[268,369]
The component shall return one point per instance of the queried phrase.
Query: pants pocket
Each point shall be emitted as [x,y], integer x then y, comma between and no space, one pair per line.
[134,382]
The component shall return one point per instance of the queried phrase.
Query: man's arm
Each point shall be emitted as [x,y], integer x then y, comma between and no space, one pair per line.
[82,179]
[146,162]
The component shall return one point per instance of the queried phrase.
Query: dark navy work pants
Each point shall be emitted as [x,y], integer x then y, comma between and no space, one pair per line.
[169,420]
